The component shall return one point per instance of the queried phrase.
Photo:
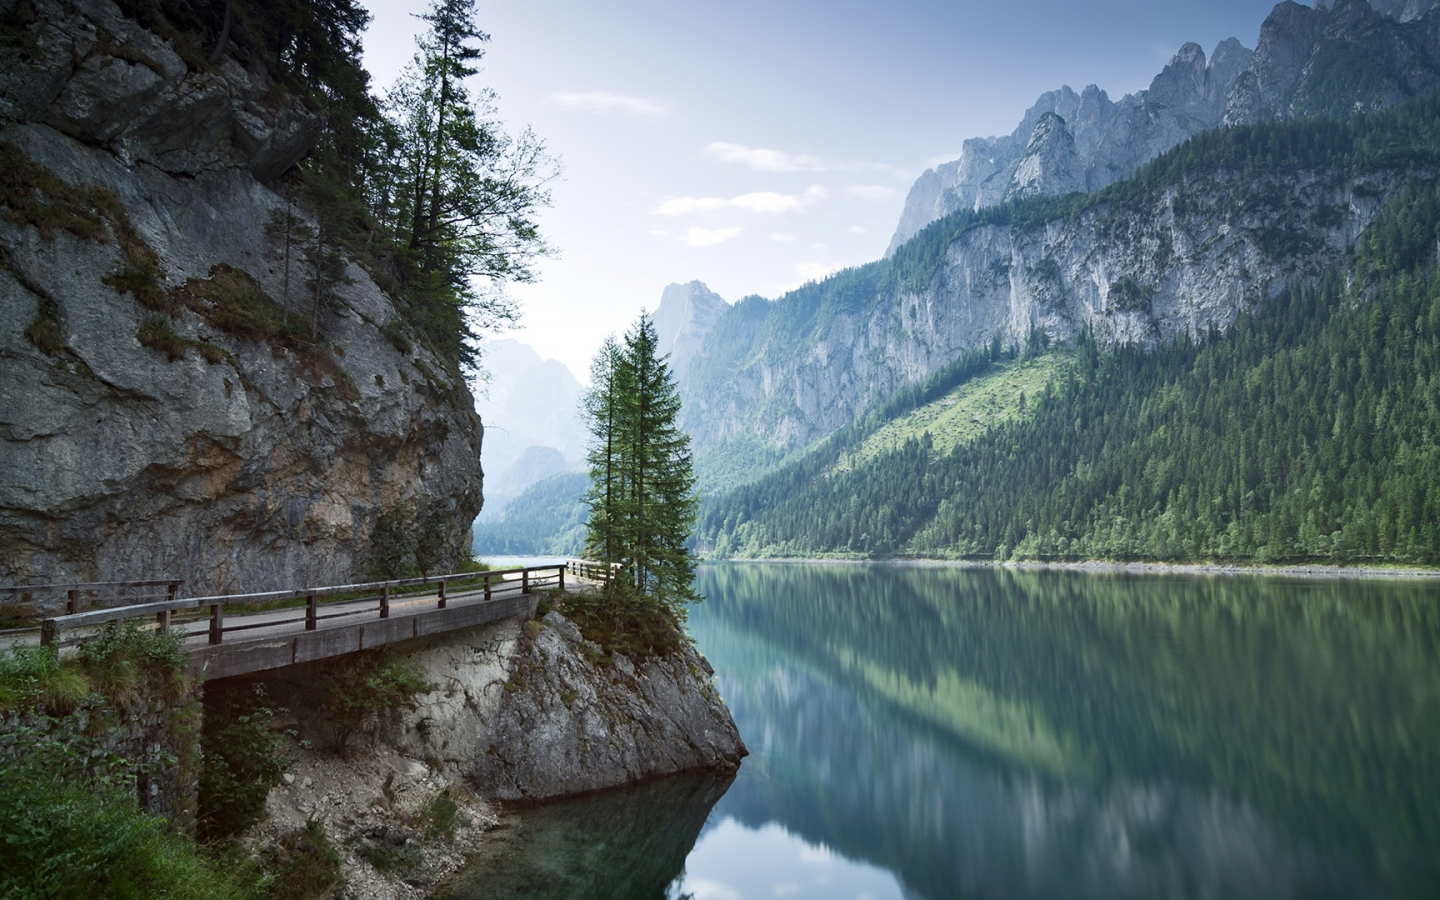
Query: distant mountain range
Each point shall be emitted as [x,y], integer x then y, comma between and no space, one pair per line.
[531,411]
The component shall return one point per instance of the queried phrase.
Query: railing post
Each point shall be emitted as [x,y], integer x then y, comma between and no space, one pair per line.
[72,602]
[172,591]
[162,619]
[441,602]
[385,602]
[311,616]
[217,623]
[47,631]
[560,571]
[524,581]
[487,585]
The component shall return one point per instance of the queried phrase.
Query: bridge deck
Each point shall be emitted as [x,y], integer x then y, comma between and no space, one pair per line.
[282,644]
[306,626]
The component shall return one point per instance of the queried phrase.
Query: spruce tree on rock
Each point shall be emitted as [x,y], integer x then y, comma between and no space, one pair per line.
[642,497]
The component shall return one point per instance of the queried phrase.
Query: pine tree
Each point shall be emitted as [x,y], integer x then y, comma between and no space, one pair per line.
[465,193]
[642,497]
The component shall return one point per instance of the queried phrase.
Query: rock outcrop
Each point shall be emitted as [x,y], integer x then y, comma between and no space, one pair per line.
[521,711]
[145,431]
[575,719]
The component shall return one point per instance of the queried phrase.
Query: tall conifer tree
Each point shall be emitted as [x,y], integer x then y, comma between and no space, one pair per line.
[642,497]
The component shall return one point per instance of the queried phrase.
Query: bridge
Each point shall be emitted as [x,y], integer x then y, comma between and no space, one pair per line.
[237,634]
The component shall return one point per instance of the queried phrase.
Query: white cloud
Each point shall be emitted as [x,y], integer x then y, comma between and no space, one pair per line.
[758,201]
[785,889]
[781,238]
[605,103]
[763,160]
[814,271]
[875,192]
[856,229]
[659,232]
[705,237]
[705,889]
[684,206]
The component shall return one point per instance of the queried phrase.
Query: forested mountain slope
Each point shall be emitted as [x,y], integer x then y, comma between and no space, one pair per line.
[1309,430]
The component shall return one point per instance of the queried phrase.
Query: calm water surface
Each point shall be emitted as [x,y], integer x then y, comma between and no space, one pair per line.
[942,733]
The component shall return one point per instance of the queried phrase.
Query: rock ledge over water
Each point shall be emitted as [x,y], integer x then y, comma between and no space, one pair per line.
[574,719]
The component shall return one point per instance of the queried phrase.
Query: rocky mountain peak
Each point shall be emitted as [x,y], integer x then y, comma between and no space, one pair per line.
[1104,140]
[1049,164]
[1399,10]
[686,313]
[1339,58]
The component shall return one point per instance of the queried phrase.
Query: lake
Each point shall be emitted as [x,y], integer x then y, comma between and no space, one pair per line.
[929,733]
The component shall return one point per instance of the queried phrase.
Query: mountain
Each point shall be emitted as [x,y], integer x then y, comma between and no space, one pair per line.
[1305,432]
[530,407]
[1195,237]
[1344,56]
[686,314]
[547,518]
[1079,142]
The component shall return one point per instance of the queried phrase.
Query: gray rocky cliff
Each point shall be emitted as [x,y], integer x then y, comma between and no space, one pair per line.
[1338,57]
[574,719]
[1341,58]
[1187,259]
[685,315]
[1109,140]
[528,709]
[235,463]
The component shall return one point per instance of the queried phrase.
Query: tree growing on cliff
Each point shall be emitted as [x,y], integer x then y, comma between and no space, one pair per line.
[642,495]
[462,193]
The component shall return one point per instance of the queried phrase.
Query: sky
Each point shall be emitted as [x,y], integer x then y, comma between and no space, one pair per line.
[757,145]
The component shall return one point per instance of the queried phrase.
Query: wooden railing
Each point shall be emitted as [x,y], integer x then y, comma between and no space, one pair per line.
[95,592]
[592,571]
[321,603]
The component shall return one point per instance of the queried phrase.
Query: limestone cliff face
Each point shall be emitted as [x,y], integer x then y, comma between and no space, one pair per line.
[201,452]
[1190,258]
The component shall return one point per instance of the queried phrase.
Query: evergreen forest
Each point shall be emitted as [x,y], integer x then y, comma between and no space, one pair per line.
[1309,431]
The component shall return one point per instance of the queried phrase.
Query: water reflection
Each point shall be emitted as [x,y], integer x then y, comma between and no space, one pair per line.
[945,733]
[618,844]
[998,734]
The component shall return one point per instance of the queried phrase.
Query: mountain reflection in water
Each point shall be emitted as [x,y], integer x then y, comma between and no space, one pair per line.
[1001,734]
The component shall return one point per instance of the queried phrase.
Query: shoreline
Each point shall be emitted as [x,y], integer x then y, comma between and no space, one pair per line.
[1298,570]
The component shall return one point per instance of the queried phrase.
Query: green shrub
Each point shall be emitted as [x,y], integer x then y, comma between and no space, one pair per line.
[34,678]
[71,832]
[158,335]
[392,546]
[621,622]
[45,334]
[243,759]
[361,686]
[305,865]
